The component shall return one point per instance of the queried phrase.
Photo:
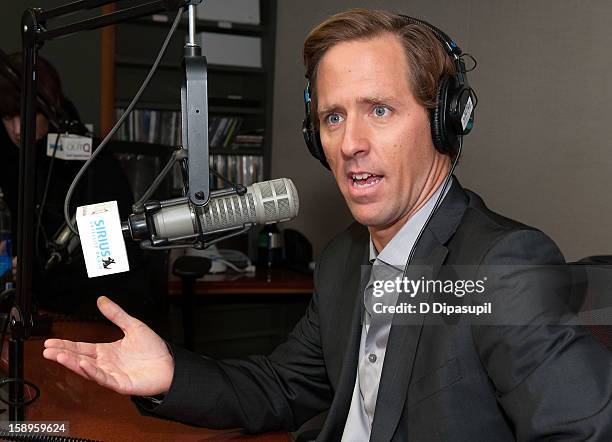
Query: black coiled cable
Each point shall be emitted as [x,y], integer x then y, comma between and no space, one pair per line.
[39,437]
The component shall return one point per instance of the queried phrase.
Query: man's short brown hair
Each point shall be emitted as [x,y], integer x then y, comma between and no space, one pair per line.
[427,59]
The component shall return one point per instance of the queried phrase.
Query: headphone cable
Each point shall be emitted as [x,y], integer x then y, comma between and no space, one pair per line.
[436,205]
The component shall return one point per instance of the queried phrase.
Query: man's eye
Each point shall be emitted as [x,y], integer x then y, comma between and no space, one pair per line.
[381,111]
[334,119]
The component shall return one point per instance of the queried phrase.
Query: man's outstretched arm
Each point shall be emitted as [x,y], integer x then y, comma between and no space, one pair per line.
[257,393]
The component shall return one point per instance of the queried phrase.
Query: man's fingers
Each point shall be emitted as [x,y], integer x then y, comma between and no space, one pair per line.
[115,314]
[82,348]
[67,359]
[83,366]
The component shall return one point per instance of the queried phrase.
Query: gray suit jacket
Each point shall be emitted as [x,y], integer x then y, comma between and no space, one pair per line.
[443,379]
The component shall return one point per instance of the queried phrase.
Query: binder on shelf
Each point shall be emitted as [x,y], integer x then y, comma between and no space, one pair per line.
[233,11]
[230,50]
[221,128]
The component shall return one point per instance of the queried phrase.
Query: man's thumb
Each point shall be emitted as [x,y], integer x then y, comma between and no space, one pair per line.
[114,313]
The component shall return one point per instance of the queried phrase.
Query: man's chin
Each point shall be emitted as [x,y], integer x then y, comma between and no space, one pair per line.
[374,215]
[373,220]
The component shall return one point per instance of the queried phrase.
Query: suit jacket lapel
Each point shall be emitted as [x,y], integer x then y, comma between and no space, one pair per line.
[403,340]
[354,281]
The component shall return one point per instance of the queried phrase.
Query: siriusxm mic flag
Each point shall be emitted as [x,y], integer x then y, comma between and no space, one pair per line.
[102,239]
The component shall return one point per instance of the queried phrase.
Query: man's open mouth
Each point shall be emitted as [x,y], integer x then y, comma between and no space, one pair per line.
[365,179]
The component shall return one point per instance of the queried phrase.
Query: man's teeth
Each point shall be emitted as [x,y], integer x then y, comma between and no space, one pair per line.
[363,180]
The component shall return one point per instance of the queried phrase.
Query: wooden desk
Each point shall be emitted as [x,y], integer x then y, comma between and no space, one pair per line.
[263,282]
[97,413]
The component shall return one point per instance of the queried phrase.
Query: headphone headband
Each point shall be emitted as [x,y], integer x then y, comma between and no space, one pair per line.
[449,45]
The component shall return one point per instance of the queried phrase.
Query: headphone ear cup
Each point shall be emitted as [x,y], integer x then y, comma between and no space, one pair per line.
[313,142]
[443,133]
[319,148]
[438,114]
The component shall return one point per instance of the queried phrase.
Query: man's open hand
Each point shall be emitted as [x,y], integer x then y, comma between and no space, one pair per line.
[139,364]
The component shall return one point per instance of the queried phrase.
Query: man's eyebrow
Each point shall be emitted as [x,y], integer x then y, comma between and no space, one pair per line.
[371,100]
[327,109]
[378,99]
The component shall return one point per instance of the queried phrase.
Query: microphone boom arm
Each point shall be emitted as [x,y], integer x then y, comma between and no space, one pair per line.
[194,115]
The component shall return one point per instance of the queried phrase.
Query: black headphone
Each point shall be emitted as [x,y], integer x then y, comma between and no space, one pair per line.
[452,118]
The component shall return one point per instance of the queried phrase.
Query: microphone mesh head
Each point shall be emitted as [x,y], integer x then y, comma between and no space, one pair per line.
[270,209]
[222,211]
[215,212]
[266,189]
[227,212]
[280,188]
[230,209]
[276,200]
[283,207]
[265,202]
[252,213]
[293,196]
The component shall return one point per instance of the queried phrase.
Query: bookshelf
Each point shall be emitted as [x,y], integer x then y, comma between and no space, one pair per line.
[240,97]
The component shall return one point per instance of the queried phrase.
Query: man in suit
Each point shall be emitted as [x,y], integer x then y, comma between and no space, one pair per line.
[516,374]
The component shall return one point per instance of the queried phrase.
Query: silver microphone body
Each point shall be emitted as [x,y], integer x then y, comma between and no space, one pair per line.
[266,202]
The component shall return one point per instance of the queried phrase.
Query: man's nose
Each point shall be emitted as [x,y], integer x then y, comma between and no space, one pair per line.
[356,140]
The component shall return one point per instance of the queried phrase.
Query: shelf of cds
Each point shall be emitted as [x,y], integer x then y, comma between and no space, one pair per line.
[235,155]
[164,127]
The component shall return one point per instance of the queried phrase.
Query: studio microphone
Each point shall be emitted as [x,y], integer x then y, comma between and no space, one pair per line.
[178,221]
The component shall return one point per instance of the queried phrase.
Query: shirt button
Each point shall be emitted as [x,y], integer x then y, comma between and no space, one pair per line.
[372,358]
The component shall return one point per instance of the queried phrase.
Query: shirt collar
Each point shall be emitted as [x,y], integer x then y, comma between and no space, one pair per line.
[396,252]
